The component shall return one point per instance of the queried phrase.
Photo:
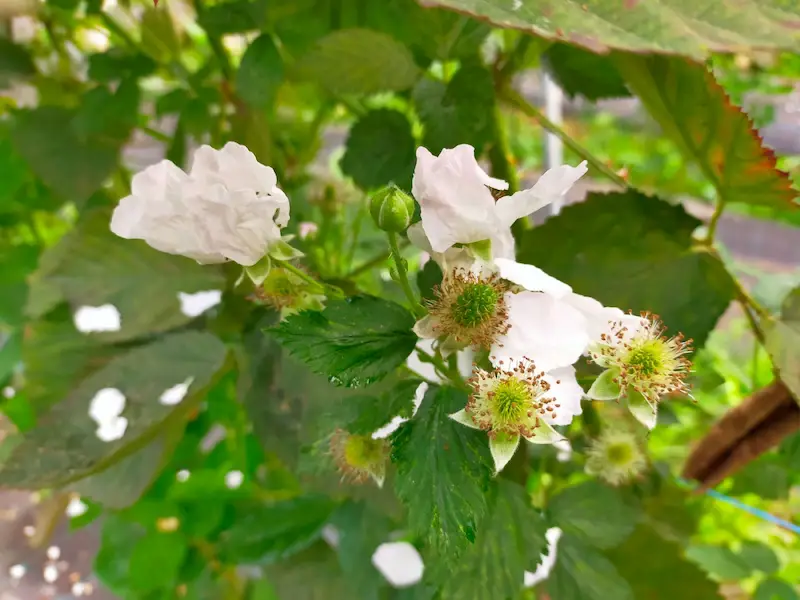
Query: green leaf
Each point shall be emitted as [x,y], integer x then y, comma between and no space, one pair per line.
[159,37]
[461,112]
[239,16]
[74,166]
[635,252]
[354,342]
[671,26]
[783,342]
[583,73]
[695,112]
[582,573]
[15,62]
[719,562]
[575,510]
[665,574]
[314,574]
[260,73]
[156,560]
[15,266]
[93,267]
[510,540]
[759,557]
[361,530]
[443,472]
[359,61]
[111,563]
[766,477]
[106,115]
[116,64]
[362,415]
[142,375]
[775,589]
[428,278]
[269,533]
[380,150]
[123,483]
[56,357]
[604,387]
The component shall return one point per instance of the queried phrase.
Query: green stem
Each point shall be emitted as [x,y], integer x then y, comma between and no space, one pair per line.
[402,275]
[714,221]
[156,135]
[446,372]
[286,265]
[516,100]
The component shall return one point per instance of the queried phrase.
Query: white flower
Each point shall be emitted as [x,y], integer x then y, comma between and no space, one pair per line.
[227,208]
[518,400]
[400,563]
[457,205]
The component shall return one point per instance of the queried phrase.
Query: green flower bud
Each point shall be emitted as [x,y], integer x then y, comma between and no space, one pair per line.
[392,209]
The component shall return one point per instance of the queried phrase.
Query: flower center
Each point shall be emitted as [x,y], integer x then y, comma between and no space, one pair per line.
[511,400]
[361,452]
[648,358]
[475,304]
[619,454]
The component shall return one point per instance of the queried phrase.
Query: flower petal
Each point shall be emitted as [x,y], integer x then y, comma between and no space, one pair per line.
[426,328]
[545,434]
[400,563]
[502,446]
[464,418]
[552,185]
[531,278]
[542,328]
[604,387]
[455,204]
[388,429]
[567,392]
[641,408]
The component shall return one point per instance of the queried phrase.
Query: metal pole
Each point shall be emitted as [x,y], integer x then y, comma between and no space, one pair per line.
[553,110]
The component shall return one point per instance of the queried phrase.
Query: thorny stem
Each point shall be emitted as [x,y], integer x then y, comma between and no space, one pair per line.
[402,275]
[513,98]
[320,287]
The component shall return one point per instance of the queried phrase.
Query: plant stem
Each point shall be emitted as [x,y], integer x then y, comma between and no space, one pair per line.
[444,370]
[516,100]
[286,265]
[402,275]
[714,221]
[156,135]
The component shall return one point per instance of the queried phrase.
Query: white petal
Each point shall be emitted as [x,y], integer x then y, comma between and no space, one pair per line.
[90,319]
[502,447]
[464,418]
[110,431]
[568,393]
[542,328]
[545,434]
[173,395]
[106,405]
[389,428]
[503,244]
[234,479]
[531,278]
[399,563]
[564,449]
[416,235]
[455,204]
[76,508]
[193,305]
[598,317]
[552,185]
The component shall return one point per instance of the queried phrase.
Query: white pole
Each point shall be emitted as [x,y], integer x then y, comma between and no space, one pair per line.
[553,110]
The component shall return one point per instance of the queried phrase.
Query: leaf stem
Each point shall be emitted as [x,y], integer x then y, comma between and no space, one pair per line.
[402,275]
[516,100]
[714,221]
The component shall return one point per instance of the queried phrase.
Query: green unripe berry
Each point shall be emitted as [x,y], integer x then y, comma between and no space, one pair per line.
[392,209]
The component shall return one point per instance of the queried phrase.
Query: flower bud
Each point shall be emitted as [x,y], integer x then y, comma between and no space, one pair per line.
[392,209]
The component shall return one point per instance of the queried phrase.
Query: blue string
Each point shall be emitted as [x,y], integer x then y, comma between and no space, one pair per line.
[756,512]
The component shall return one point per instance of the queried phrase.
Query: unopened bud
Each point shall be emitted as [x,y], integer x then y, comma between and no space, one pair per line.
[392,209]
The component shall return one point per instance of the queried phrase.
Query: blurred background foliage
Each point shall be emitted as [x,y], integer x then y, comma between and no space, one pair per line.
[335,95]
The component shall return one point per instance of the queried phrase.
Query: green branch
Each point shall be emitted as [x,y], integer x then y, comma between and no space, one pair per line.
[514,99]
[402,276]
